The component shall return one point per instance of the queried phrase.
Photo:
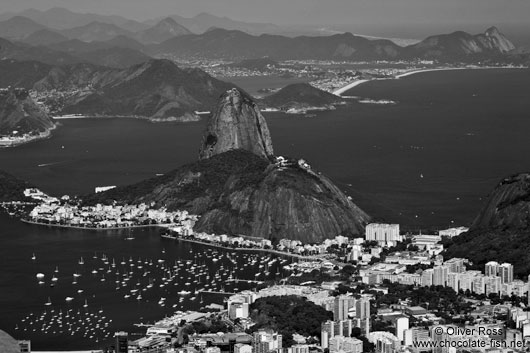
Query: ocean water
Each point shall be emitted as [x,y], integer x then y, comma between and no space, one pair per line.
[428,161]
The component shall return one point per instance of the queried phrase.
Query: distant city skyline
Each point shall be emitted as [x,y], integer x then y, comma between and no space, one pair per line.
[309,12]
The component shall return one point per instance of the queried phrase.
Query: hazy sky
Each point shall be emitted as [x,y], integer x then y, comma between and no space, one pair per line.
[377,12]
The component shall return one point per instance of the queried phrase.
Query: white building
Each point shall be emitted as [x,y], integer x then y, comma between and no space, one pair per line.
[385,234]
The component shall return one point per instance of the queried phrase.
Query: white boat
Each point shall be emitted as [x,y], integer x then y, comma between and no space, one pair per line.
[68,299]
[40,275]
[33,257]
[49,302]
[81,261]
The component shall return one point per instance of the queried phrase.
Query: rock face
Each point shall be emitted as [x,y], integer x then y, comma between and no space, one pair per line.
[239,187]
[8,344]
[18,112]
[236,124]
[508,207]
[238,192]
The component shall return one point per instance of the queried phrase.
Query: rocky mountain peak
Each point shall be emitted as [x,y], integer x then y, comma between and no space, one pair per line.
[492,31]
[235,124]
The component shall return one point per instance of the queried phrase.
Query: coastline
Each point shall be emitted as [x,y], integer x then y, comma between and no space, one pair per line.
[41,136]
[164,225]
[182,119]
[356,83]
[271,251]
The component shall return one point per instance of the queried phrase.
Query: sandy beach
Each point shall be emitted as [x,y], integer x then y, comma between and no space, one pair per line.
[356,83]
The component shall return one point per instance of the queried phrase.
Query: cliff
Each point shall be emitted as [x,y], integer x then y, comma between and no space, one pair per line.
[238,192]
[20,115]
[236,124]
[239,187]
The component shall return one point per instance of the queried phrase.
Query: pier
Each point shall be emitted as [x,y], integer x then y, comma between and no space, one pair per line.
[245,280]
[215,292]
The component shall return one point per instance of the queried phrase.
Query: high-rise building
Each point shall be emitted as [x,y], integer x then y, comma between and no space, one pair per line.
[455,265]
[453,281]
[345,344]
[426,277]
[402,324]
[342,305]
[362,310]
[479,285]
[238,310]
[492,268]
[493,285]
[440,274]
[242,348]
[416,334]
[384,234]
[298,348]
[122,342]
[506,272]
[265,341]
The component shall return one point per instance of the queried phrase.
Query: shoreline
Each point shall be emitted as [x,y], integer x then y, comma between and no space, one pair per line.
[161,225]
[272,251]
[42,136]
[197,117]
[356,83]
[165,225]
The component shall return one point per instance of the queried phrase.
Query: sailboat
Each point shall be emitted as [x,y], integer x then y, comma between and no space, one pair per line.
[49,302]
[81,261]
[33,257]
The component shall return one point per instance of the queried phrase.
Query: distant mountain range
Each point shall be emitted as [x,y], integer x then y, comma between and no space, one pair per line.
[224,38]
[236,45]
[73,51]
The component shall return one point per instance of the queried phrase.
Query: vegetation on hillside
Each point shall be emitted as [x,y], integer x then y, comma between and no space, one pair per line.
[11,188]
[481,247]
[289,315]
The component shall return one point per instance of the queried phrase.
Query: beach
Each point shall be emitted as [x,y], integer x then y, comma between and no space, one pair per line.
[356,83]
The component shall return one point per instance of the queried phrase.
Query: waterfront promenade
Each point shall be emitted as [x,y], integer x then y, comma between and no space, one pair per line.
[271,251]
